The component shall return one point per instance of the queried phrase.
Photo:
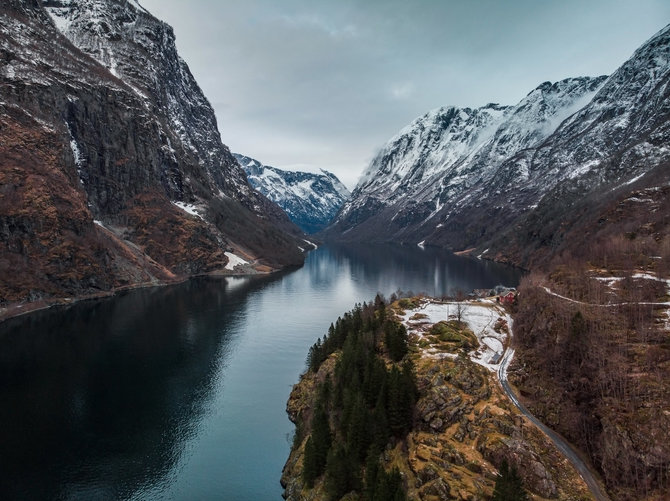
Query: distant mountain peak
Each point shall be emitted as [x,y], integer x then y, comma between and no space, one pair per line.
[310,200]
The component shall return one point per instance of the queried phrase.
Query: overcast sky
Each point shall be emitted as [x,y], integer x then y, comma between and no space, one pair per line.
[309,84]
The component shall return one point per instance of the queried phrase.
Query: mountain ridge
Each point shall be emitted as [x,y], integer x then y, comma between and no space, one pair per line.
[452,151]
[310,200]
[436,183]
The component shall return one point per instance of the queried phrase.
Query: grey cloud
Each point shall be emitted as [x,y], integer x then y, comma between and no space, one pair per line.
[323,84]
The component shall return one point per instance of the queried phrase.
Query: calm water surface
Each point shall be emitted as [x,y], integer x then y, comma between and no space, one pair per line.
[179,393]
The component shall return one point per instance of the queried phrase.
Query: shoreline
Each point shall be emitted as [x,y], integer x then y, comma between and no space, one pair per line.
[19,309]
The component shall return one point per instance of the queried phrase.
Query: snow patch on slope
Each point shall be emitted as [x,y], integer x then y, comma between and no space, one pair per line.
[481,317]
[192,209]
[76,153]
[234,260]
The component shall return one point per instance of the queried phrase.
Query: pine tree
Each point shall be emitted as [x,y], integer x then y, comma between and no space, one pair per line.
[380,427]
[371,472]
[400,403]
[374,379]
[314,357]
[321,439]
[342,471]
[389,486]
[325,393]
[396,340]
[382,488]
[336,473]
[409,378]
[393,403]
[509,486]
[396,490]
[309,465]
[358,436]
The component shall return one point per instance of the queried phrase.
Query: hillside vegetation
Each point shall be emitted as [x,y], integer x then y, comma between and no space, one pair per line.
[593,348]
[379,417]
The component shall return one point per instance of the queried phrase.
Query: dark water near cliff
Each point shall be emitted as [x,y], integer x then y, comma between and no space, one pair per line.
[179,392]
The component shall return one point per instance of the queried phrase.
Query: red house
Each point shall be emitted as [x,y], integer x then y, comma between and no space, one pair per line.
[508,298]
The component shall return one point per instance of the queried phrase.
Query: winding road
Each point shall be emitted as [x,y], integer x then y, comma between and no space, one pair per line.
[563,446]
[592,483]
[495,312]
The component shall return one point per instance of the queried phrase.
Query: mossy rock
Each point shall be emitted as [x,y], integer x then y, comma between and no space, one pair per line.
[455,333]
[408,304]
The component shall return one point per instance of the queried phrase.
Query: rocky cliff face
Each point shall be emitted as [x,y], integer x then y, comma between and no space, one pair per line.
[462,178]
[103,123]
[310,200]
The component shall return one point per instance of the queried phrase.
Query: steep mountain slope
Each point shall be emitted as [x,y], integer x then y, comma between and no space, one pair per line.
[469,178]
[310,200]
[619,143]
[101,121]
[585,207]
[592,353]
[441,157]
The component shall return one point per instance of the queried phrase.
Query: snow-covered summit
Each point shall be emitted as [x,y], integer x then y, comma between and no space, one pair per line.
[626,120]
[438,140]
[441,156]
[310,200]
[140,51]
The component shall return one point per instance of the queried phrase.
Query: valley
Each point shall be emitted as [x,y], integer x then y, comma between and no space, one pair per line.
[181,391]
[159,293]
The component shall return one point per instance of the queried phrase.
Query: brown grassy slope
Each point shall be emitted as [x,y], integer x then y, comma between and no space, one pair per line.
[49,244]
[44,222]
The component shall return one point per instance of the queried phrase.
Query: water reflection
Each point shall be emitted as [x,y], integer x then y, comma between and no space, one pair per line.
[98,399]
[421,270]
[179,392]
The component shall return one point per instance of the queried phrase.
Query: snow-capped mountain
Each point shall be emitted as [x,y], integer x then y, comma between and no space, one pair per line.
[461,177]
[440,157]
[310,200]
[112,166]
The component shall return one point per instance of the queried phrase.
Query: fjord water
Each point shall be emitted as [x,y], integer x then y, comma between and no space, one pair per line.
[179,392]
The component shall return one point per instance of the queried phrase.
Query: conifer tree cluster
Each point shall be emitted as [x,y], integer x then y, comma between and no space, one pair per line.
[368,403]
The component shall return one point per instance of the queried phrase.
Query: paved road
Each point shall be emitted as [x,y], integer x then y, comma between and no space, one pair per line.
[606,305]
[561,444]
